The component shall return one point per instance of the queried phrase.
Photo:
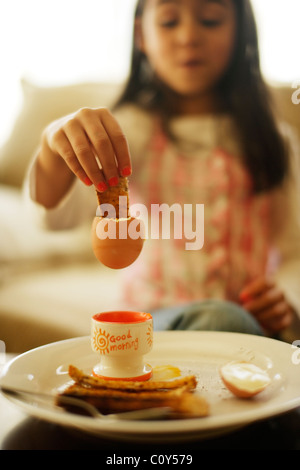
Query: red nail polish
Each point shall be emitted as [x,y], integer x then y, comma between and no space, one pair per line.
[113,181]
[87,181]
[245,297]
[126,171]
[101,187]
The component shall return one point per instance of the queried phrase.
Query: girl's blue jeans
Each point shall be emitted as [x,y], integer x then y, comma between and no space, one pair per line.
[213,315]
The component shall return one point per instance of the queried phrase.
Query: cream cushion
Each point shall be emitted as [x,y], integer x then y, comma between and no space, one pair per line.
[40,106]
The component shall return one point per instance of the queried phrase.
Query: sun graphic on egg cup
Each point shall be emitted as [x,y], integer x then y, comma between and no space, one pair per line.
[101,341]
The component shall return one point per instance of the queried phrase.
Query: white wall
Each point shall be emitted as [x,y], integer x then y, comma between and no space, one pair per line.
[279,33]
[52,42]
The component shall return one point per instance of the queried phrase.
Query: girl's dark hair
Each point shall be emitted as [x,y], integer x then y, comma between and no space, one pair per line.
[245,96]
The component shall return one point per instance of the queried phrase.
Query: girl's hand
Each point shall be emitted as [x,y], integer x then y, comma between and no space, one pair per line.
[267,303]
[92,145]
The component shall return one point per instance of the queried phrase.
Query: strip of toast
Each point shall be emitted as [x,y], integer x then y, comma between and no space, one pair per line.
[79,377]
[112,196]
[107,401]
[112,396]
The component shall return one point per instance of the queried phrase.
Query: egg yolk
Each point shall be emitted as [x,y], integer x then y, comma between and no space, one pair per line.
[165,372]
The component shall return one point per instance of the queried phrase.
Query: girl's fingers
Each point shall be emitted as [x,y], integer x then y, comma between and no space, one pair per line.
[264,301]
[100,142]
[118,142]
[276,318]
[63,147]
[93,146]
[267,304]
[256,287]
[275,311]
[84,162]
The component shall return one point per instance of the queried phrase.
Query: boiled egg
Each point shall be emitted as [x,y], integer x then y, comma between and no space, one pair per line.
[244,379]
[117,243]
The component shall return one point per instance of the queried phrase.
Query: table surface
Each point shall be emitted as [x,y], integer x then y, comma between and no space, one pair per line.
[19,431]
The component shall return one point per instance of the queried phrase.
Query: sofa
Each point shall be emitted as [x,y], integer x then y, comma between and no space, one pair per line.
[50,283]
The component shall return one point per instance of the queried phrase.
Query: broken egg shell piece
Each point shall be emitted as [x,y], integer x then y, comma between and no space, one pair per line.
[244,379]
[117,243]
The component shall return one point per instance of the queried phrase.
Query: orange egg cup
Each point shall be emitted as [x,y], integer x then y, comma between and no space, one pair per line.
[121,339]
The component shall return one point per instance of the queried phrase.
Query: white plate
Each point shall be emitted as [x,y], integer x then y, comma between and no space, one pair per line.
[45,369]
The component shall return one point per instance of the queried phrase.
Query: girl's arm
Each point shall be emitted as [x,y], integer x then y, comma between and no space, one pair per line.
[89,145]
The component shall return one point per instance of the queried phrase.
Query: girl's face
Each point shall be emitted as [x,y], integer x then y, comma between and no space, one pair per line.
[189,43]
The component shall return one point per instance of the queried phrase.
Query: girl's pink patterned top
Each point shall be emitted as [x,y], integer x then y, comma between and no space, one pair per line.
[236,228]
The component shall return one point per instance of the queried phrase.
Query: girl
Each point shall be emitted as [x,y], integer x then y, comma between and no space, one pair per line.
[195,124]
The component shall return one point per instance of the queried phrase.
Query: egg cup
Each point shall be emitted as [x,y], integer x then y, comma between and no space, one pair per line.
[122,339]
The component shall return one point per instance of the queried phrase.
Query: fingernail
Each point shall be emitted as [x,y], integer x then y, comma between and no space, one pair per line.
[113,181]
[245,297]
[87,181]
[101,187]
[126,171]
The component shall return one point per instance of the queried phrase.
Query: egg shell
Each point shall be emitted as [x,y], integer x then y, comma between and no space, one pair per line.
[238,392]
[241,390]
[112,241]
